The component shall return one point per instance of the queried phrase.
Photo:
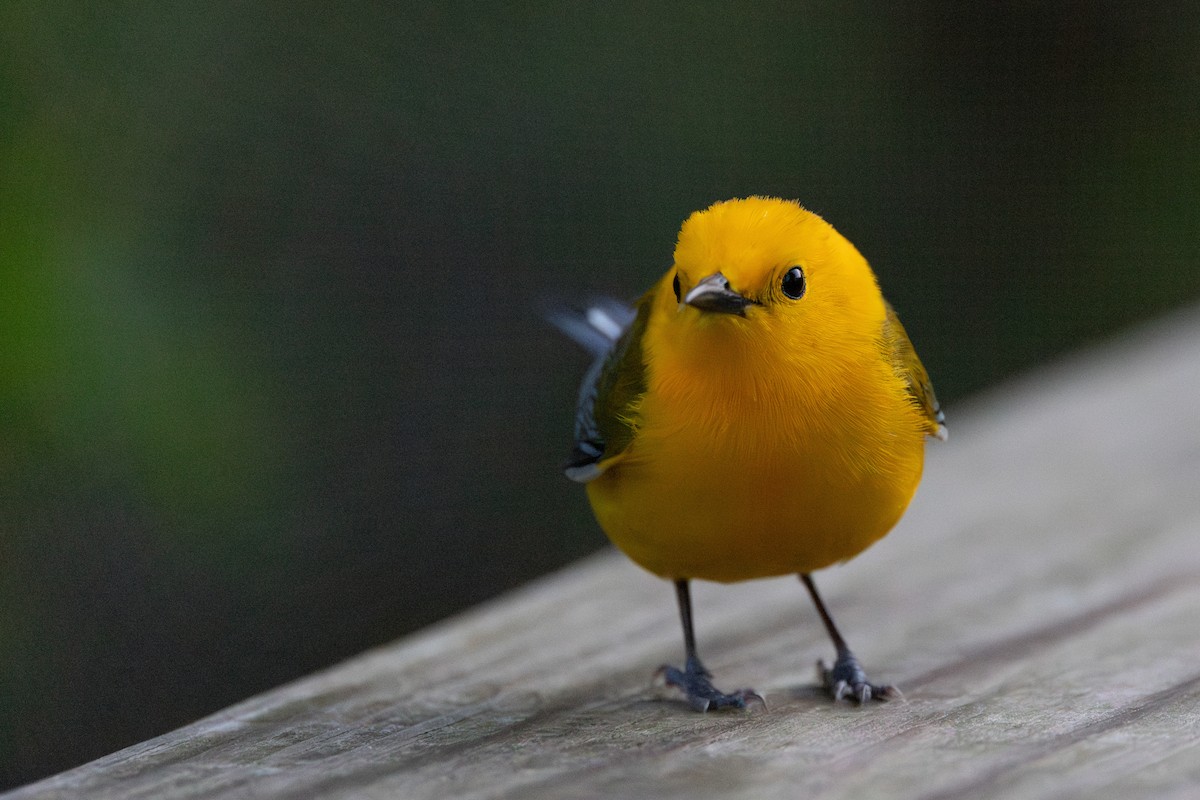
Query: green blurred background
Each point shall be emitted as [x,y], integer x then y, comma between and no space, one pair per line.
[273,385]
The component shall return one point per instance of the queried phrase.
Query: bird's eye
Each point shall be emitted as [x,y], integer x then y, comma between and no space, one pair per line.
[793,283]
[675,286]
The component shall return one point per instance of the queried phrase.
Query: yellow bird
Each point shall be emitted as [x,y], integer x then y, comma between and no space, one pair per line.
[760,412]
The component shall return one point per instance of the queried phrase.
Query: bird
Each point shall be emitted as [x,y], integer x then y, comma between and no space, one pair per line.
[759,412]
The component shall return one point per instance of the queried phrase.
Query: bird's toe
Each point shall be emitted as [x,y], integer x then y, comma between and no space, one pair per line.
[846,679]
[696,683]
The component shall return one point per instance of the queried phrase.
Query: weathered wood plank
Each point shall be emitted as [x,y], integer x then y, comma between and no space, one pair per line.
[1038,606]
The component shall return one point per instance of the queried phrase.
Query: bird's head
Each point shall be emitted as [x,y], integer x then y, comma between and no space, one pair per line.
[764,267]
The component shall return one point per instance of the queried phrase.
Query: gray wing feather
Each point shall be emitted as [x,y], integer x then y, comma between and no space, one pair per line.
[598,329]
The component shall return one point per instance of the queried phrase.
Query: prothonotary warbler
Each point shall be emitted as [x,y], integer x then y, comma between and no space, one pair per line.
[760,412]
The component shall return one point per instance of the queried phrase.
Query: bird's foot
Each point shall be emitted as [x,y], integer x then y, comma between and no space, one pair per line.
[696,682]
[847,679]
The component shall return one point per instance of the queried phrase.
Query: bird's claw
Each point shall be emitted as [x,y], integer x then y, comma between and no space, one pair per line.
[846,679]
[696,683]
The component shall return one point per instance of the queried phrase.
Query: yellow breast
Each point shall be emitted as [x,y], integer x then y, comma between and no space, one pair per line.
[749,476]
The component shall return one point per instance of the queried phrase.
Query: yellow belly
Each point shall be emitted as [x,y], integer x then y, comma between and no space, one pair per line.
[740,501]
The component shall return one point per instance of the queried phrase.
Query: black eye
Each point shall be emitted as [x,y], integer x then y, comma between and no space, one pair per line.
[793,283]
[675,286]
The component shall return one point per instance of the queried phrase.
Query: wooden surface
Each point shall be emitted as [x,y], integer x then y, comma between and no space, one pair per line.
[1039,606]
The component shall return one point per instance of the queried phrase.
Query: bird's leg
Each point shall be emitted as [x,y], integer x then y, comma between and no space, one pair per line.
[694,679]
[846,677]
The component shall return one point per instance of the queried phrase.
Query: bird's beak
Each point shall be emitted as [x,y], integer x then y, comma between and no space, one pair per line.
[714,294]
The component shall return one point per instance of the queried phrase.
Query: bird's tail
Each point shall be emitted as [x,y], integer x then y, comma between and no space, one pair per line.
[594,328]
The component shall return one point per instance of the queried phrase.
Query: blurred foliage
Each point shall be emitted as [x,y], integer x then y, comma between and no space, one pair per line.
[272,384]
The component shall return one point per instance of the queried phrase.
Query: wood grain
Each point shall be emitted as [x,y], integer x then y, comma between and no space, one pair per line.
[1039,606]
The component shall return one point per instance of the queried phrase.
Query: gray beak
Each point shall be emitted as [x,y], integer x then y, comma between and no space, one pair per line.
[714,294]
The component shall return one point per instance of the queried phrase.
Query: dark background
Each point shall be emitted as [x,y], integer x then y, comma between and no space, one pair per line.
[273,385]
